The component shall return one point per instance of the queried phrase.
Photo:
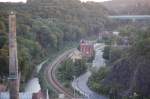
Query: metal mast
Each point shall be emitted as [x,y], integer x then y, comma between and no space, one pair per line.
[13,59]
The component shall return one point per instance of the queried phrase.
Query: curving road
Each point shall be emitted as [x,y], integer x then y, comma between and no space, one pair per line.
[80,84]
[51,78]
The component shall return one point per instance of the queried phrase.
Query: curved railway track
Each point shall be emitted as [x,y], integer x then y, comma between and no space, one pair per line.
[51,77]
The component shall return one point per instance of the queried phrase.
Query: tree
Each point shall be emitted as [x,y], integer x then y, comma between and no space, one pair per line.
[4,65]
[106,52]
[66,71]
[79,67]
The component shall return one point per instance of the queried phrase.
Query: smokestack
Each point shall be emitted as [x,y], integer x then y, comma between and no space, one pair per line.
[13,59]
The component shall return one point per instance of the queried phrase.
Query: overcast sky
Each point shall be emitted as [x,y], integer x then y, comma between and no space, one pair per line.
[25,0]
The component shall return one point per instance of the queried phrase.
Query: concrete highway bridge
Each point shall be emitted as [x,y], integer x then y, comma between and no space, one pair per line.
[130,17]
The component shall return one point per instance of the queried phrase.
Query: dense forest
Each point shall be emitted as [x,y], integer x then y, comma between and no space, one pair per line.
[127,66]
[70,70]
[126,75]
[129,7]
[44,26]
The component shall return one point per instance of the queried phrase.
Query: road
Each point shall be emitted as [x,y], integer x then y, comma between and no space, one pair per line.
[51,77]
[80,84]
[98,61]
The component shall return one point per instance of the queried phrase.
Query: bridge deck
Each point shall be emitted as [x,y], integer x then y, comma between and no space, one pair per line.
[130,17]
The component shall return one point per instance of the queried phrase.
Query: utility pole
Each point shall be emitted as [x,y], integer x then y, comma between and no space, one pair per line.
[13,59]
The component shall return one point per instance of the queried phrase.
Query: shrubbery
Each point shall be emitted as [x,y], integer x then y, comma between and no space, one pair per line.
[95,81]
[69,69]
[43,29]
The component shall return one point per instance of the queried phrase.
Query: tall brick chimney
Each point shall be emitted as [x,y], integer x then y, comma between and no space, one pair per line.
[13,59]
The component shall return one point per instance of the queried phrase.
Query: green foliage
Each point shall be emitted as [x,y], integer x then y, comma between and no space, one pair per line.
[3,41]
[66,71]
[141,43]
[127,30]
[106,54]
[43,27]
[28,53]
[24,63]
[126,60]
[130,32]
[112,54]
[142,47]
[95,81]
[3,55]
[107,40]
[4,62]
[79,67]
[69,69]
[2,27]
[116,53]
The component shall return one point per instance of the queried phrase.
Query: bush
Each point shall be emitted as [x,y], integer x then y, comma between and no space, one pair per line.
[95,81]
[106,54]
[69,69]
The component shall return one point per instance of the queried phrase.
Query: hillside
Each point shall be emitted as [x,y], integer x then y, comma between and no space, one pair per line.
[128,6]
[127,66]
[131,75]
[44,27]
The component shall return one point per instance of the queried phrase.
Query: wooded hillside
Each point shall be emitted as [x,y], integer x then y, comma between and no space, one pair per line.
[44,26]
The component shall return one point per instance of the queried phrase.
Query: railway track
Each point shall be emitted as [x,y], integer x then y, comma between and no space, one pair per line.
[51,77]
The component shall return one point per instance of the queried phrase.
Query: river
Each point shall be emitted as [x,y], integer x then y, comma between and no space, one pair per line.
[33,85]
[80,83]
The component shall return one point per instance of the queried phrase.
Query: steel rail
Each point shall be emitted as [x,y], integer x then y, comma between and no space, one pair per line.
[51,74]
